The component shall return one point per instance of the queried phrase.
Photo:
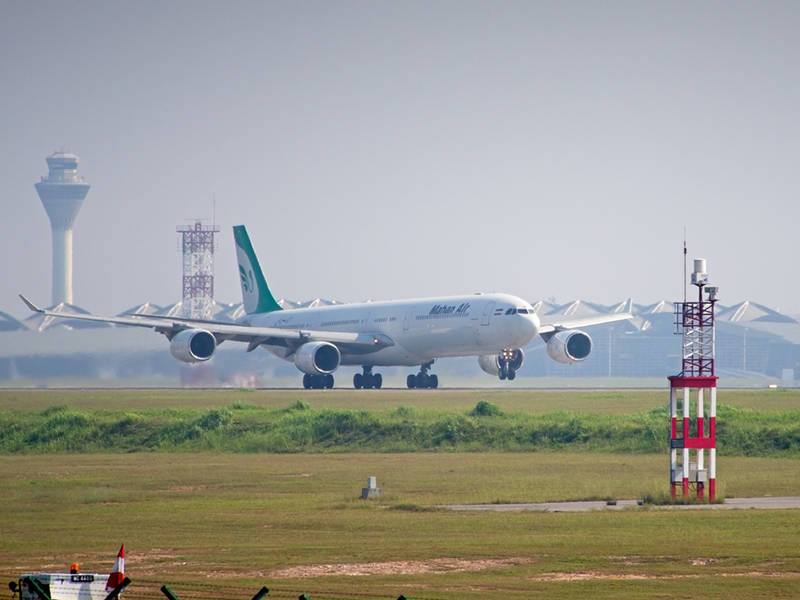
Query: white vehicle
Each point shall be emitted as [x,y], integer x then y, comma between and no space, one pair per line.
[410,333]
[64,586]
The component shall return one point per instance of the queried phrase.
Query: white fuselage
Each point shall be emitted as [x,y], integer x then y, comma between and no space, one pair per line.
[422,329]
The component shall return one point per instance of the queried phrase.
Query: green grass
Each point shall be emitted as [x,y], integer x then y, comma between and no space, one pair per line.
[220,524]
[245,427]
[527,401]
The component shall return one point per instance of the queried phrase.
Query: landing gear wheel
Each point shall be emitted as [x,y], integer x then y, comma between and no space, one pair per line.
[502,374]
[317,382]
[423,380]
[367,379]
[512,375]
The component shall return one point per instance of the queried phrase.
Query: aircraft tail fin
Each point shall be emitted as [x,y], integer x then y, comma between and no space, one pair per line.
[255,291]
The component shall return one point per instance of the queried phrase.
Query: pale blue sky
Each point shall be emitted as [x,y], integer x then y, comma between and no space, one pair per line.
[381,150]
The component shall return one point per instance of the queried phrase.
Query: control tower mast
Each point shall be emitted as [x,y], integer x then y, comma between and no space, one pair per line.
[62,192]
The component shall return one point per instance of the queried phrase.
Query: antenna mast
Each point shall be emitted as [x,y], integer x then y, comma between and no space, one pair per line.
[684,264]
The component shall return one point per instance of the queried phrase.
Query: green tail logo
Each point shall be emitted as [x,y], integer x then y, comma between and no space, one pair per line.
[247,280]
[256,295]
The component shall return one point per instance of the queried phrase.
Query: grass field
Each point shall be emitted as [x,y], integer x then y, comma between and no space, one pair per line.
[221,525]
[529,401]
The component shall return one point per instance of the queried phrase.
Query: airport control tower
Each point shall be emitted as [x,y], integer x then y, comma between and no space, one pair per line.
[62,192]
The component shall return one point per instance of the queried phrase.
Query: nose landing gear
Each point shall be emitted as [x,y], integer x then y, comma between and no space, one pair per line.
[509,361]
[367,379]
[507,373]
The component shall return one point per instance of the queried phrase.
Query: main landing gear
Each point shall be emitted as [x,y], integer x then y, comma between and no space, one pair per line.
[367,379]
[317,382]
[423,380]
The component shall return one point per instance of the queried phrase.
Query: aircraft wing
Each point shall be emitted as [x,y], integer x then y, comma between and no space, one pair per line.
[558,324]
[255,336]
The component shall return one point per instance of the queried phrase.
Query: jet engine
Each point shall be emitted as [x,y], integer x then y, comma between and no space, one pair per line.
[490,363]
[317,358]
[569,346]
[193,345]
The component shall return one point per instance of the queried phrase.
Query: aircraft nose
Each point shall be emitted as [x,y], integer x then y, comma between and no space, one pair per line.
[529,327]
[534,318]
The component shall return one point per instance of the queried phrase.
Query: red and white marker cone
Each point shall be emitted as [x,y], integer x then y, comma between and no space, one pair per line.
[118,574]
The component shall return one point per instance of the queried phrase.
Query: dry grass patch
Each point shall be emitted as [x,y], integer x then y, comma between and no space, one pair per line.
[401,567]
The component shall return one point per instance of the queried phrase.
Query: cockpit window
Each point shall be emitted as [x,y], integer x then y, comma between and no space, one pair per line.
[522,311]
[510,311]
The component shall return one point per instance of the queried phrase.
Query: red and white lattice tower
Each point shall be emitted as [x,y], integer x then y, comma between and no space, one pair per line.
[695,322]
[198,269]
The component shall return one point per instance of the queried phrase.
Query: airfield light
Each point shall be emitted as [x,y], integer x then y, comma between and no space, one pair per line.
[261,593]
[168,592]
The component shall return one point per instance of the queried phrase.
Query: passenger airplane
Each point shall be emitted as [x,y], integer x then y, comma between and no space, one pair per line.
[406,333]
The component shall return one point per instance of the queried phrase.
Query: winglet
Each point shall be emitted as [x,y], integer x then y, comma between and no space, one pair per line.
[255,291]
[30,304]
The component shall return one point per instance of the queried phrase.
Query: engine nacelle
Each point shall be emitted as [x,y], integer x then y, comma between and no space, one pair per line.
[317,358]
[569,346]
[490,363]
[193,345]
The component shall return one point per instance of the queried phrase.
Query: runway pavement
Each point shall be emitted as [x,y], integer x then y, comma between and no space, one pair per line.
[730,503]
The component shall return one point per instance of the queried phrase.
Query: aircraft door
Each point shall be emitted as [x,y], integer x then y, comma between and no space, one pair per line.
[364,323]
[487,312]
[407,318]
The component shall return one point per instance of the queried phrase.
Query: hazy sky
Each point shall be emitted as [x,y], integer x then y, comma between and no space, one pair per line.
[380,150]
